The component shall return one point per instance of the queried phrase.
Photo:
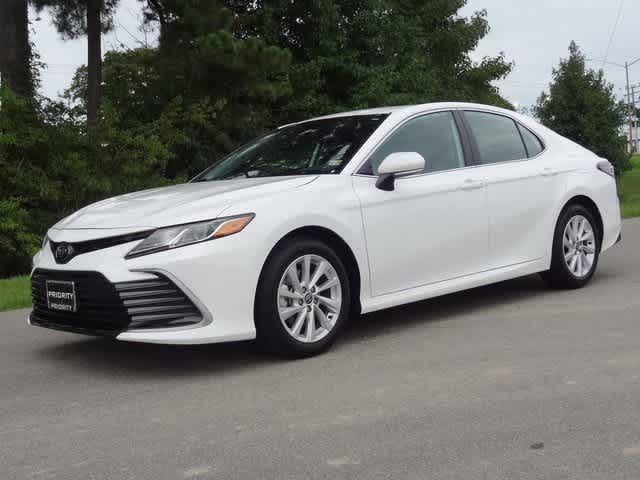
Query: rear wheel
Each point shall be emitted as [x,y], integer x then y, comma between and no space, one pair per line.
[576,249]
[303,298]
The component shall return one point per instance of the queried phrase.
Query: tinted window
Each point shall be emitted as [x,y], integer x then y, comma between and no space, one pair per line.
[433,136]
[315,147]
[497,137]
[533,144]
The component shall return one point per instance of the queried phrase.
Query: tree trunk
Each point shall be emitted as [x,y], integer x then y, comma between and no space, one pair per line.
[94,61]
[15,50]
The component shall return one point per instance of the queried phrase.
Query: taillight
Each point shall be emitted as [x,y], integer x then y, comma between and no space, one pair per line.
[606,167]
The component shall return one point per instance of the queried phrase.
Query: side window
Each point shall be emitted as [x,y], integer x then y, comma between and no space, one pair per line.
[497,137]
[434,136]
[533,144]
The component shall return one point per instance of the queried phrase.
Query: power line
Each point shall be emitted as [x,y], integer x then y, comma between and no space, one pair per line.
[613,32]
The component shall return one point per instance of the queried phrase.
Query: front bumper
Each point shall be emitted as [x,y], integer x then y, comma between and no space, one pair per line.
[213,286]
[109,309]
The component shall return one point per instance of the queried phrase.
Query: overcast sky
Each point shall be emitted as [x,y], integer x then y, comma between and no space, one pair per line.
[534,34]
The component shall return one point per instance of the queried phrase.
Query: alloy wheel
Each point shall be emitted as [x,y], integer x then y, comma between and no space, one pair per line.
[309,298]
[579,246]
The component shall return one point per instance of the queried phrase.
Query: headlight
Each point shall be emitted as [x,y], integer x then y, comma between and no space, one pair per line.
[190,233]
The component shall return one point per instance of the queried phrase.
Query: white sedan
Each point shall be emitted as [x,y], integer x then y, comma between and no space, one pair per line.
[291,234]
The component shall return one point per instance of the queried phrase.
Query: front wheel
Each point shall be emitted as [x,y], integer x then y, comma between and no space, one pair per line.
[576,249]
[303,298]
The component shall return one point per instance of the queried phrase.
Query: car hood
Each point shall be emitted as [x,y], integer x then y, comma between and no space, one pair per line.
[188,202]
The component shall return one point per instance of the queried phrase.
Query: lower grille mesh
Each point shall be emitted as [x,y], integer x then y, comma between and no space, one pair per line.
[157,303]
[105,308]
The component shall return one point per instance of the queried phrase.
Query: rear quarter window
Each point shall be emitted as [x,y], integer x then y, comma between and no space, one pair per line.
[531,141]
[496,136]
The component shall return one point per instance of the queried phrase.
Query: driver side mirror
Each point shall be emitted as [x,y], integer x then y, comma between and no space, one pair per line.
[399,163]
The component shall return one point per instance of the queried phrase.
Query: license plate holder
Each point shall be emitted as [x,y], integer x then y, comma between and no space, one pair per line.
[61,295]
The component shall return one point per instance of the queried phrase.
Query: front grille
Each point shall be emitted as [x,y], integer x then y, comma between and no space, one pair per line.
[105,308]
[73,249]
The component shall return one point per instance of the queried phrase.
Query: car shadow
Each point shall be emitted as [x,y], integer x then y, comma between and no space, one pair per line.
[124,359]
[113,358]
[442,308]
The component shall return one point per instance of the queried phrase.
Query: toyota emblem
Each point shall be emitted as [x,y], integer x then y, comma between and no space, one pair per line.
[64,252]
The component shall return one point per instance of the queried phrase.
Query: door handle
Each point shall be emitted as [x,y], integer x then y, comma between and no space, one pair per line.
[472,184]
[548,172]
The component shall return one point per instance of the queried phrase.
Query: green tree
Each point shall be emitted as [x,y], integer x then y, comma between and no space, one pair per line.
[24,158]
[362,53]
[208,88]
[17,242]
[51,167]
[581,106]
[76,18]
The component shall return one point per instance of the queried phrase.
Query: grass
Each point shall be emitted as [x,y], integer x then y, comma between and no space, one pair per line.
[15,293]
[629,190]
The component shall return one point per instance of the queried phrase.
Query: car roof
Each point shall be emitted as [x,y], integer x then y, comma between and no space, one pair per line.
[408,110]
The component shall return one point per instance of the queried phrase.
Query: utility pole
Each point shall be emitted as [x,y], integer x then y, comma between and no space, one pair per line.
[629,108]
[630,105]
[634,119]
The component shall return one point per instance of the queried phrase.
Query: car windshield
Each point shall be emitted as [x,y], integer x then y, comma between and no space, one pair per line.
[315,147]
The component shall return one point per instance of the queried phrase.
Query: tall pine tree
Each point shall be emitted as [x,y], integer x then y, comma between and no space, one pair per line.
[15,49]
[360,53]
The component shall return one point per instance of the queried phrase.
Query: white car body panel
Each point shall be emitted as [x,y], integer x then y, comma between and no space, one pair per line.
[520,199]
[434,234]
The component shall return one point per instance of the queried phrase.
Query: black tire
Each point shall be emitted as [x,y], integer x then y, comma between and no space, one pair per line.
[559,275]
[271,333]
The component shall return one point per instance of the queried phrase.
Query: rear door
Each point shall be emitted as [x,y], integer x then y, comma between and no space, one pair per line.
[520,184]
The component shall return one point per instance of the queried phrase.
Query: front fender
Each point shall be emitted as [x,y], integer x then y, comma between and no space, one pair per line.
[329,203]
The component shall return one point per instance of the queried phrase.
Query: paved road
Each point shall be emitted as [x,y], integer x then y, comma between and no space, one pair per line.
[510,381]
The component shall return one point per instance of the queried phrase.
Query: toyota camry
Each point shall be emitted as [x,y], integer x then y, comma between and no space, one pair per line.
[291,234]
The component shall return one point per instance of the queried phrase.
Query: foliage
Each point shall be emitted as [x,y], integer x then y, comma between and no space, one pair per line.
[28,153]
[222,89]
[366,53]
[17,242]
[52,166]
[581,105]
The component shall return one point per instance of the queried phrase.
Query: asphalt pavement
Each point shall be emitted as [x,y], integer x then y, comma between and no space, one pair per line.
[511,381]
